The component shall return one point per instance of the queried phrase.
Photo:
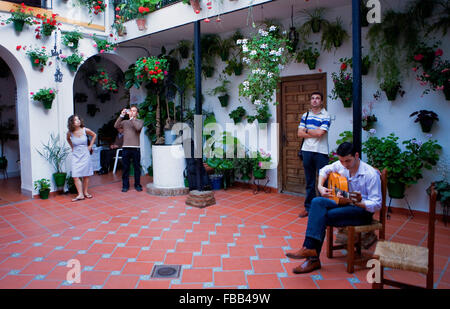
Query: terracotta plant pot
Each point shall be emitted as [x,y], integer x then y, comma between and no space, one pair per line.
[141,23]
[195,6]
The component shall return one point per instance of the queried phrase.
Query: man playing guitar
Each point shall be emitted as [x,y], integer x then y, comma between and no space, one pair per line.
[364,185]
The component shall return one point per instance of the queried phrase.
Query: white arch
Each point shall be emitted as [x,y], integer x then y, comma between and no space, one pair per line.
[23,119]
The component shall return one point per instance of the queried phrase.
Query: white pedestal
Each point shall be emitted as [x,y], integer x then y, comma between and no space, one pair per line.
[168,166]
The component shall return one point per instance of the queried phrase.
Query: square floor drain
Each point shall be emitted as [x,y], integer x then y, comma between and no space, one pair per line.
[166,271]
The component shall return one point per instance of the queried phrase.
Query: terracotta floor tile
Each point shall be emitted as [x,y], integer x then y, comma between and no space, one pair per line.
[298,283]
[178,258]
[237,251]
[121,282]
[270,253]
[151,255]
[190,246]
[43,284]
[110,264]
[38,268]
[138,242]
[16,263]
[263,282]
[137,268]
[126,252]
[102,248]
[238,263]
[186,286]
[88,259]
[215,249]
[229,278]
[154,284]
[267,266]
[196,275]
[15,282]
[207,261]
[334,283]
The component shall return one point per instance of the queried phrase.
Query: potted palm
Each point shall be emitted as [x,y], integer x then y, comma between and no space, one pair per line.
[426,119]
[56,153]
[43,186]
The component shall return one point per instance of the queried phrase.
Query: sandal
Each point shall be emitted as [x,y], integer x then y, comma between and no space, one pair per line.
[78,199]
[88,196]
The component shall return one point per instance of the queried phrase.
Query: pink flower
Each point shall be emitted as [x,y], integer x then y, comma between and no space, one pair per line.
[165,73]
[445,70]
[260,164]
[418,57]
[440,87]
[107,45]
[50,91]
[102,51]
[32,93]
[439,52]
[95,45]
[414,69]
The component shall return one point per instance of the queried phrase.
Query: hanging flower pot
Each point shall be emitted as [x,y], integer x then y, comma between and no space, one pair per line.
[35,62]
[141,23]
[311,63]
[315,25]
[92,109]
[391,94]
[72,67]
[47,104]
[224,100]
[447,91]
[208,70]
[196,6]
[18,25]
[347,102]
[426,125]
[45,96]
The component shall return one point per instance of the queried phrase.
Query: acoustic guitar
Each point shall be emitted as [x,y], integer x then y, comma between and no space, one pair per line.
[338,184]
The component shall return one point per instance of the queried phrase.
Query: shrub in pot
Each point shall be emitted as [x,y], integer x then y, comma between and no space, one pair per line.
[56,153]
[221,92]
[43,186]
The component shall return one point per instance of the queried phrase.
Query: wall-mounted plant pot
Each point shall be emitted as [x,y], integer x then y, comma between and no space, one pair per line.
[347,103]
[396,190]
[391,94]
[92,109]
[312,63]
[315,26]
[18,25]
[426,125]
[224,100]
[365,69]
[34,64]
[447,91]
[60,179]
[238,69]
[73,67]
[47,104]
[43,194]
[224,54]
[141,23]
[209,71]
[184,52]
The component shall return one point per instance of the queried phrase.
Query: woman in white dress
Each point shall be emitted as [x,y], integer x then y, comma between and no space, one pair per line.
[81,161]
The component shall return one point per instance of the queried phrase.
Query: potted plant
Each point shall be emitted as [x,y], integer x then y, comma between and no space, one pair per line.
[404,167]
[315,22]
[343,87]
[425,55]
[71,39]
[43,186]
[6,134]
[73,61]
[365,64]
[442,188]
[333,35]
[48,24]
[222,91]
[152,70]
[368,119]
[102,79]
[20,16]
[71,185]
[221,169]
[237,114]
[308,56]
[261,163]
[244,167]
[391,86]
[426,119]
[92,109]
[38,57]
[224,48]
[94,6]
[80,97]
[103,45]
[45,96]
[139,10]
[234,66]
[437,77]
[56,153]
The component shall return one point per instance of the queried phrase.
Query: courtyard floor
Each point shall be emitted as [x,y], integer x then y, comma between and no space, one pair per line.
[238,243]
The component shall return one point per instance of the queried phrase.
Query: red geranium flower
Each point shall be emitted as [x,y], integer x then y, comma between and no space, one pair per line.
[439,52]
[418,57]
[18,47]
[343,66]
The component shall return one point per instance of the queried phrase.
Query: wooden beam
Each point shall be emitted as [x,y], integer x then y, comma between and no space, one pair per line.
[6,6]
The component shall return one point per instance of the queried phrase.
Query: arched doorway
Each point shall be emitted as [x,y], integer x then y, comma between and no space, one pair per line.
[15,175]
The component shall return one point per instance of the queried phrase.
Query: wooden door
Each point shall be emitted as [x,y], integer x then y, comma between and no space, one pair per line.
[294,97]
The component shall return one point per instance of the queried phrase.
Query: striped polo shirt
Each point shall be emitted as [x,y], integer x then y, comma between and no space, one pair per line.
[316,121]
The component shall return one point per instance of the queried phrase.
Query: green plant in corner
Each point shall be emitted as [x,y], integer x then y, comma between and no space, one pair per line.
[43,186]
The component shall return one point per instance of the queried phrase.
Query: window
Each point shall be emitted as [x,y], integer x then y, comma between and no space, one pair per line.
[34,3]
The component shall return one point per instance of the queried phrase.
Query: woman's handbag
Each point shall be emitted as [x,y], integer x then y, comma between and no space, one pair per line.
[300,155]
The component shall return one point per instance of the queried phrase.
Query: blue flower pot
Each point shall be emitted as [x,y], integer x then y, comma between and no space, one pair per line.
[216,181]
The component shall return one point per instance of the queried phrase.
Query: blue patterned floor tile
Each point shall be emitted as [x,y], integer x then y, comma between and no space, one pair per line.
[131,260]
[81,251]
[353,280]
[156,238]
[115,273]
[112,232]
[66,283]
[55,235]
[282,275]
[254,258]
[88,268]
[205,242]
[76,238]
[59,248]
[317,277]
[243,287]
[37,244]
[144,227]
[96,287]
[217,269]
[144,277]
[237,235]
[106,256]
[121,245]
[17,241]
[105,222]
[208,284]
[38,259]
[197,254]
[62,263]
[145,248]
[14,272]
[225,255]
[144,211]
[284,260]
[91,230]
[249,272]
[124,224]
[16,254]
[133,235]
[177,281]
[98,241]
[39,277]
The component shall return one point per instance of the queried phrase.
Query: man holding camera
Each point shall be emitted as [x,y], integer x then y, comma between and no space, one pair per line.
[313,129]
[131,146]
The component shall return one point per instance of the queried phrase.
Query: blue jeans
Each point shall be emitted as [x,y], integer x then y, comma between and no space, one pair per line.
[312,163]
[325,212]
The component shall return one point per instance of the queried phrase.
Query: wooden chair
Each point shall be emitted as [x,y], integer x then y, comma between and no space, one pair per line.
[354,233]
[407,257]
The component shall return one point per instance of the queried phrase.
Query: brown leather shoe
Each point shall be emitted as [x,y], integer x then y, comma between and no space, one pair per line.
[303,253]
[303,213]
[307,266]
